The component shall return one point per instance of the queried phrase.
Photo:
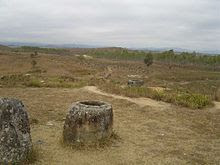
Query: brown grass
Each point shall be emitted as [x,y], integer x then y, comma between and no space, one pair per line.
[54,66]
[165,134]
[170,135]
[217,95]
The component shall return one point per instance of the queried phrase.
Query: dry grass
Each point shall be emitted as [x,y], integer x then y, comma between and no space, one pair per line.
[165,134]
[99,145]
[52,67]
[169,135]
[217,95]
[177,97]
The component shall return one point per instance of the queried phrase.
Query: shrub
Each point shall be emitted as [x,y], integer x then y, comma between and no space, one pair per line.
[33,83]
[182,98]
[192,100]
[148,60]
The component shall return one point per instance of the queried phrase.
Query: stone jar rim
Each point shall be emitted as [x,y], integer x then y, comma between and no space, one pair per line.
[93,104]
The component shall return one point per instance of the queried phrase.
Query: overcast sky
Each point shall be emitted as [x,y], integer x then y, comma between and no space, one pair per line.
[191,24]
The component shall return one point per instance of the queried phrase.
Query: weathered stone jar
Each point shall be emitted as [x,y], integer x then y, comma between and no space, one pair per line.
[88,122]
[135,83]
[15,138]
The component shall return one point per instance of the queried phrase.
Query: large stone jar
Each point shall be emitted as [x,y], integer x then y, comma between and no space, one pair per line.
[15,138]
[88,122]
[135,83]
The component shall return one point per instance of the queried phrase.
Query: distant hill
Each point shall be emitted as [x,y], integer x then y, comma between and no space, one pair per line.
[3,47]
[154,49]
[209,52]
[45,45]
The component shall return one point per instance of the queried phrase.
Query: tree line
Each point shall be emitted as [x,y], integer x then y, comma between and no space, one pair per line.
[169,57]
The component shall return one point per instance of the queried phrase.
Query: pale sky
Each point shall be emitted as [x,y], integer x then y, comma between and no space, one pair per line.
[190,24]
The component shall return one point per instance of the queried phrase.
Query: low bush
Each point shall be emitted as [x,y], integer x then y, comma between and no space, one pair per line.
[33,83]
[192,100]
[178,97]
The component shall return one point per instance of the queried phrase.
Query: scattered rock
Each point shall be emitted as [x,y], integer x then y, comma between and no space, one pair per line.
[123,86]
[159,89]
[2,77]
[49,123]
[146,77]
[27,74]
[134,76]
[15,138]
[88,122]
[184,82]
[87,56]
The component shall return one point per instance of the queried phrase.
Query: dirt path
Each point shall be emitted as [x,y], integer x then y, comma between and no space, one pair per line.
[142,102]
[217,105]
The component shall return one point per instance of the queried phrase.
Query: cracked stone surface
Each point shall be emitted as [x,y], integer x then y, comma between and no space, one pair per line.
[15,138]
[88,122]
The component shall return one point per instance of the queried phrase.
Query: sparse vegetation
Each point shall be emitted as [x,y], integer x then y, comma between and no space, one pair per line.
[178,97]
[152,133]
[195,81]
[186,58]
[167,57]
[28,80]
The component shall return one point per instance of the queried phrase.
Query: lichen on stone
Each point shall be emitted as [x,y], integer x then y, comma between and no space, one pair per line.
[15,138]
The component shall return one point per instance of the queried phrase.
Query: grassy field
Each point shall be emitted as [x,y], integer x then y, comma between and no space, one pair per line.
[184,130]
[148,135]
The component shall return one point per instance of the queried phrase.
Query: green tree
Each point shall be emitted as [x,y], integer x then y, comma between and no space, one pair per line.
[148,60]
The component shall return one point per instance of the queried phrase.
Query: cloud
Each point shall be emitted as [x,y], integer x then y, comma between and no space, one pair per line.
[193,24]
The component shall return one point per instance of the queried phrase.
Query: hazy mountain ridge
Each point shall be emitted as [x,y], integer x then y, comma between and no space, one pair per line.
[45,45]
